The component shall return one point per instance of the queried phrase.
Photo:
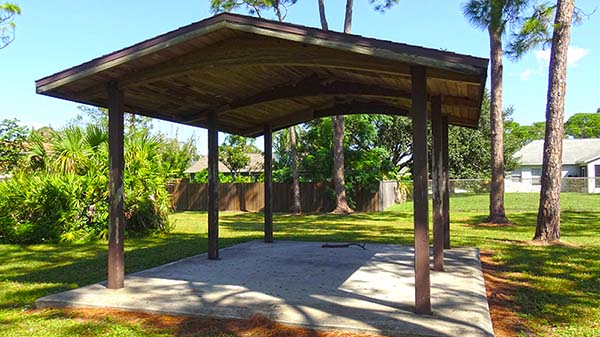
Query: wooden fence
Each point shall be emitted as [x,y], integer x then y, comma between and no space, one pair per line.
[315,197]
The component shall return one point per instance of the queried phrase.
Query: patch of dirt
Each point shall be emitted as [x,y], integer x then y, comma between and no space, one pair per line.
[499,291]
[552,243]
[254,326]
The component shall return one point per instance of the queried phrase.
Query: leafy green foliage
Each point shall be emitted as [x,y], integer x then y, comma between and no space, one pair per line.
[254,7]
[535,31]
[8,11]
[234,152]
[494,15]
[61,193]
[202,178]
[524,134]
[469,153]
[583,125]
[12,144]
[395,135]
[366,161]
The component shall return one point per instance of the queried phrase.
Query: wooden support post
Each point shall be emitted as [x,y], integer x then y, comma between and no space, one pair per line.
[116,229]
[437,184]
[268,137]
[421,213]
[213,183]
[445,184]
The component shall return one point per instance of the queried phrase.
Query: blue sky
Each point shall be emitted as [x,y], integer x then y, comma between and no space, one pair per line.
[54,35]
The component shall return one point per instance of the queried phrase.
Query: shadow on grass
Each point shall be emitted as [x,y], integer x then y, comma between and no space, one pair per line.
[63,267]
[554,284]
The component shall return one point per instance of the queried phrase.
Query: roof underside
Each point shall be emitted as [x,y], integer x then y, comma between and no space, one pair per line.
[254,72]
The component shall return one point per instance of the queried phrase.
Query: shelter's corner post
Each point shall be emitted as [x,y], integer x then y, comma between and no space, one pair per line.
[437,184]
[268,139]
[116,229]
[421,212]
[445,183]
[213,187]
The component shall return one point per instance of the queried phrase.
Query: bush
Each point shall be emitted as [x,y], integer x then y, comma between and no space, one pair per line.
[40,208]
[66,198]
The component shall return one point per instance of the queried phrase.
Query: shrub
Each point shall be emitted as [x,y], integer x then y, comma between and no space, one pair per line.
[40,208]
[66,198]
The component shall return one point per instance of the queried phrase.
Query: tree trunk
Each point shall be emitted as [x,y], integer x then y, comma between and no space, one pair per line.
[548,220]
[322,16]
[348,17]
[296,206]
[497,214]
[339,181]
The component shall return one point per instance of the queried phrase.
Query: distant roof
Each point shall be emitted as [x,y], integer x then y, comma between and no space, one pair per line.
[256,164]
[575,151]
[253,72]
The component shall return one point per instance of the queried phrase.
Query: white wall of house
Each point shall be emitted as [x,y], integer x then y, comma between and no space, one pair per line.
[527,178]
[591,173]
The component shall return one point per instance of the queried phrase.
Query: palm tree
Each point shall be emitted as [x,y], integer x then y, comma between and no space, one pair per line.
[494,16]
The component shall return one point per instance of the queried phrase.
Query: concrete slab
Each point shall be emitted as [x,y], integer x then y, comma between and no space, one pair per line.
[300,283]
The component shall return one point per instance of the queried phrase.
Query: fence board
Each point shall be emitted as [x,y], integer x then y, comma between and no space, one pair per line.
[315,197]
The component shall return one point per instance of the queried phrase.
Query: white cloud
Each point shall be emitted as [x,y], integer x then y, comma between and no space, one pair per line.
[574,55]
[527,73]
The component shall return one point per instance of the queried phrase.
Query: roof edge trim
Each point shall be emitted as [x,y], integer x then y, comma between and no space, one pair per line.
[46,84]
[359,49]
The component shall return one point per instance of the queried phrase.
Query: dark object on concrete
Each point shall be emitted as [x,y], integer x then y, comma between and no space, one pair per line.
[343,245]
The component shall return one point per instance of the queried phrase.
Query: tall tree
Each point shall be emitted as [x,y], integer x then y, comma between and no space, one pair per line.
[234,153]
[8,11]
[494,16]
[548,220]
[280,7]
[339,180]
[583,125]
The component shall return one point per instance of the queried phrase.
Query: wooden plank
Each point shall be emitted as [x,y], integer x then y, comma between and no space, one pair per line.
[213,192]
[421,214]
[268,138]
[116,229]
[311,86]
[445,184]
[437,185]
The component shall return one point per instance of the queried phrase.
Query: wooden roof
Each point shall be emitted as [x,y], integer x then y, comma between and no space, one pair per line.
[254,72]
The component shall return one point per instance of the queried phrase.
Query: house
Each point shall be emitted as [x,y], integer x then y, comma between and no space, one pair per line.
[255,166]
[580,166]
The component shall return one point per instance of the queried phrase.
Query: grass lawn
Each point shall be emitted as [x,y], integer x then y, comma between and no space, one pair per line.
[551,291]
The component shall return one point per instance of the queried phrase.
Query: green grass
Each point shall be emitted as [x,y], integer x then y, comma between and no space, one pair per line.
[556,288]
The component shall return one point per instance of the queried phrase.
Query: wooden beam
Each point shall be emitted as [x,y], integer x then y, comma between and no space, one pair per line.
[268,137]
[279,123]
[330,109]
[311,86]
[213,191]
[116,229]
[437,185]
[445,184]
[421,214]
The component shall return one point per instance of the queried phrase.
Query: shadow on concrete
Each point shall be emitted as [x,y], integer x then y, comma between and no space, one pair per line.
[302,284]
